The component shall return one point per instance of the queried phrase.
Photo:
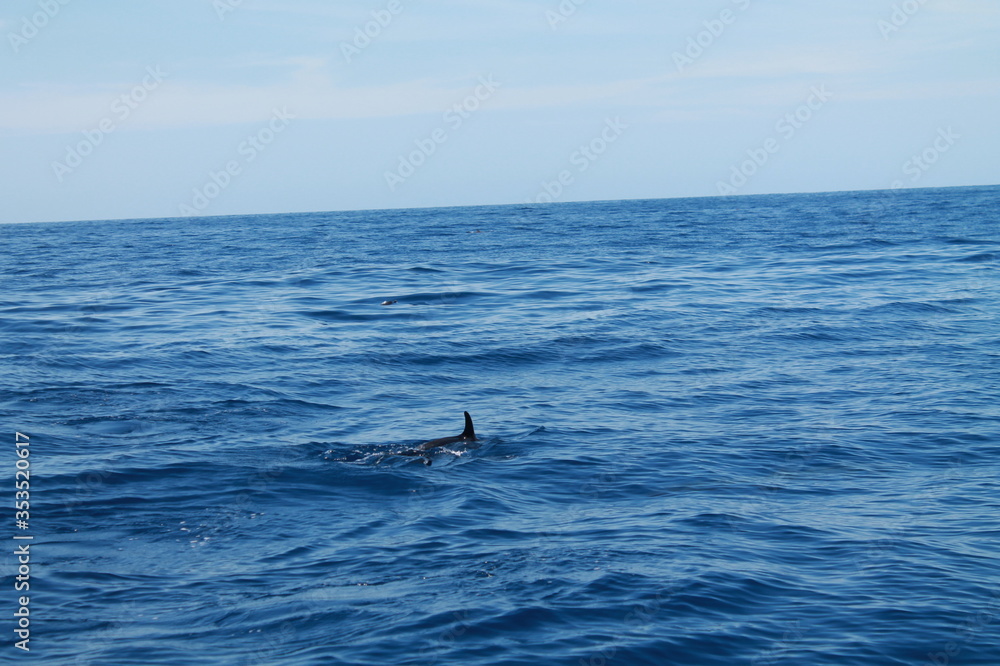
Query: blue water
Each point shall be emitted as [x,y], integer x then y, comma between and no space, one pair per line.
[753,430]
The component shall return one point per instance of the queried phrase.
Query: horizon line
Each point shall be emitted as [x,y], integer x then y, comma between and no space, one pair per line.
[496,205]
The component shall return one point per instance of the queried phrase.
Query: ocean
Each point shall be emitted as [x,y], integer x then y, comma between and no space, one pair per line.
[753,430]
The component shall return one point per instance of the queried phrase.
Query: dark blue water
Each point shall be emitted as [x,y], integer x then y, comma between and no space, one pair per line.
[753,430]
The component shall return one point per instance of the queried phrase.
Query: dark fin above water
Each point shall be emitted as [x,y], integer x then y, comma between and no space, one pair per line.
[468,435]
[469,432]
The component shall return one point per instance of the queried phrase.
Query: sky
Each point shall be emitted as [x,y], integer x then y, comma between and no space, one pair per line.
[168,108]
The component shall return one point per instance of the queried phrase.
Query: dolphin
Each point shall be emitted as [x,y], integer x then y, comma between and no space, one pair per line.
[468,435]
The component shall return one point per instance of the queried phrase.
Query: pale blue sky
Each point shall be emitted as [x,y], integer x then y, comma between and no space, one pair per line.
[267,91]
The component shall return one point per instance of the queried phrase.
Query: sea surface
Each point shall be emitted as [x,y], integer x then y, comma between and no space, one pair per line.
[754,430]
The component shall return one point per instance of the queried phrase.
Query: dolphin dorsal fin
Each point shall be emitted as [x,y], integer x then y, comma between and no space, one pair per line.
[469,432]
